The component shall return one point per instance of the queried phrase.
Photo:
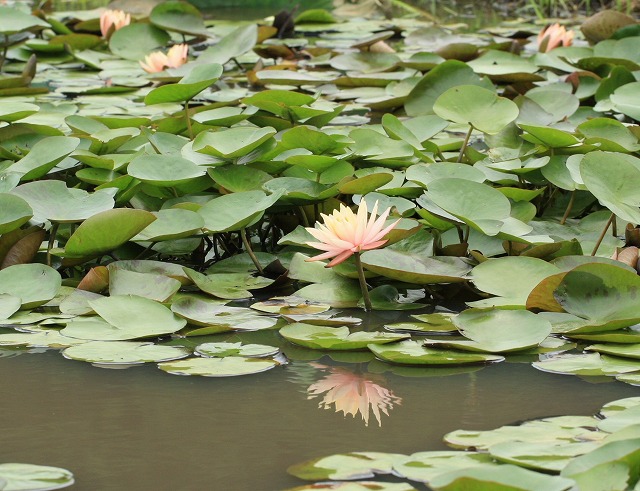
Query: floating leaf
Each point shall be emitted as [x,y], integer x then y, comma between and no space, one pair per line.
[123,352]
[470,104]
[34,284]
[414,353]
[229,366]
[222,350]
[106,231]
[334,338]
[30,477]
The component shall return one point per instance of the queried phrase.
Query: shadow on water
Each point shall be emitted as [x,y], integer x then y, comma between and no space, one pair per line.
[143,429]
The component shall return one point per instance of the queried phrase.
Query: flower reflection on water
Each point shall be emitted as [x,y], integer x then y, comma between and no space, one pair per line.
[352,393]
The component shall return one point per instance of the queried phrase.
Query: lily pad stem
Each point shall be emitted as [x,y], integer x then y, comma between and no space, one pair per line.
[247,246]
[52,238]
[363,284]
[604,232]
[188,119]
[569,207]
[465,143]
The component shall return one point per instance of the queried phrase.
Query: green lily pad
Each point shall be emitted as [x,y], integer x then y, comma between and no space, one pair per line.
[414,353]
[481,207]
[499,478]
[9,305]
[14,212]
[613,464]
[592,364]
[34,284]
[44,156]
[222,350]
[550,431]
[13,20]
[610,177]
[14,111]
[53,200]
[208,312]
[497,330]
[236,43]
[125,317]
[603,294]
[425,466]
[623,350]
[334,338]
[188,87]
[233,142]
[171,224]
[229,366]
[470,104]
[42,339]
[106,231]
[357,486]
[30,477]
[135,41]
[123,352]
[412,268]
[178,16]
[235,211]
[444,76]
[354,465]
[540,456]
[238,178]
[164,170]
[148,285]
[510,278]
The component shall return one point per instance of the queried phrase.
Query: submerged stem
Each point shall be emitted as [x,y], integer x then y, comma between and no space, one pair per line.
[569,206]
[52,239]
[604,232]
[186,115]
[465,143]
[247,246]
[363,283]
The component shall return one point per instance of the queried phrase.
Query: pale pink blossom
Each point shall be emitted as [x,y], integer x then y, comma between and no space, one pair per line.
[112,20]
[352,393]
[344,233]
[157,61]
[554,36]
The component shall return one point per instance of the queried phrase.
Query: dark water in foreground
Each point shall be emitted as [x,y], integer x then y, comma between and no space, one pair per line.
[142,429]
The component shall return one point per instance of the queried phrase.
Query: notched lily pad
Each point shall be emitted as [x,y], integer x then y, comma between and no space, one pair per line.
[335,338]
[229,366]
[123,352]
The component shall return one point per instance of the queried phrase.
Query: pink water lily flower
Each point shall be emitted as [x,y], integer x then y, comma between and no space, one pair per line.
[344,233]
[157,61]
[112,20]
[554,36]
[352,393]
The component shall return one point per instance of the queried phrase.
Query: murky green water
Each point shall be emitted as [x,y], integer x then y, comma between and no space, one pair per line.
[142,429]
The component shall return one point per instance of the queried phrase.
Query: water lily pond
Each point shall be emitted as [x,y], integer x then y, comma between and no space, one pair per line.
[326,246]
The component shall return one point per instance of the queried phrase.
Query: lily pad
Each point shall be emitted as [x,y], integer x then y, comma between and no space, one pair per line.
[412,268]
[222,350]
[106,231]
[500,478]
[229,366]
[34,284]
[123,352]
[334,338]
[470,104]
[30,477]
[604,295]
[414,353]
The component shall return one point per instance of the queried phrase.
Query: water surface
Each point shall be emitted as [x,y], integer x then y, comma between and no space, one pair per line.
[143,429]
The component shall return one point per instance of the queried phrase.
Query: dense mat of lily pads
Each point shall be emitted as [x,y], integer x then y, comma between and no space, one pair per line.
[147,199]
[557,453]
